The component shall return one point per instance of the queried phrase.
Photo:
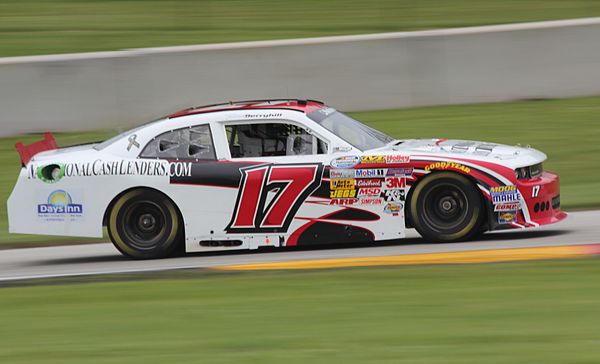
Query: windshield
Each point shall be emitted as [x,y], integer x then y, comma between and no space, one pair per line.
[352,131]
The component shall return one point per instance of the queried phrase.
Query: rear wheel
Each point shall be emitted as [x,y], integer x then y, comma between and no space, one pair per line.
[145,224]
[447,207]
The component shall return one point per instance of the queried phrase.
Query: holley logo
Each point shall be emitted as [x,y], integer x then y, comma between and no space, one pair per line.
[59,203]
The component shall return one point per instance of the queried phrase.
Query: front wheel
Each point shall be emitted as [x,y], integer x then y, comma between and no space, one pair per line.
[446,207]
[145,224]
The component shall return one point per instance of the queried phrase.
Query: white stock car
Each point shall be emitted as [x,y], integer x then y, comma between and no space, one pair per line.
[274,173]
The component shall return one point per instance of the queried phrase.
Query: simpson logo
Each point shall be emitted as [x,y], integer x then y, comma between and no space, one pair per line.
[368,173]
[368,182]
[59,206]
[396,159]
[448,165]
[502,194]
[372,159]
[371,201]
[507,217]
[347,161]
[512,206]
[342,184]
[399,172]
[369,192]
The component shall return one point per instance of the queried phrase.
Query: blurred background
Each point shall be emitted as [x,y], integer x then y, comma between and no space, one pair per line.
[469,69]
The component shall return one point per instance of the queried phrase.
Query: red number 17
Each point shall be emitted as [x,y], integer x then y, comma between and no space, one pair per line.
[270,195]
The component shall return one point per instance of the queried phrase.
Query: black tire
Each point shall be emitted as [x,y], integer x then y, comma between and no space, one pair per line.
[447,207]
[145,224]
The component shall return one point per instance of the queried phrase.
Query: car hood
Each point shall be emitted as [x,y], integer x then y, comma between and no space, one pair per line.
[510,156]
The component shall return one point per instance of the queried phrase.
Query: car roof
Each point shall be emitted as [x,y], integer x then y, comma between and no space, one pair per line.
[305,106]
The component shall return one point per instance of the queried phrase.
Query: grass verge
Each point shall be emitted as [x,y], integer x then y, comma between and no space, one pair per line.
[61,26]
[567,130]
[542,312]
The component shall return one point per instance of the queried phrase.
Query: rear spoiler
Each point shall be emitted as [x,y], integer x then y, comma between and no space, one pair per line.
[26,152]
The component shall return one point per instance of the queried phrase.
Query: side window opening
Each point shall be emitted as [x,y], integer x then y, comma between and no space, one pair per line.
[272,139]
[186,143]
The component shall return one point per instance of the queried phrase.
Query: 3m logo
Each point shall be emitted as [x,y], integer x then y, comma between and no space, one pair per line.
[392,183]
[270,195]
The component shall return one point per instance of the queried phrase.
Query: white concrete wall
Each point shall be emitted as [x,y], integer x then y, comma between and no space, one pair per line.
[391,70]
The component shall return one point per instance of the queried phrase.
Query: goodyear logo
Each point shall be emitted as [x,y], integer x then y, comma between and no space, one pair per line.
[448,165]
[342,184]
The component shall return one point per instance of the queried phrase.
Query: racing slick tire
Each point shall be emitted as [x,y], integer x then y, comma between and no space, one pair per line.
[145,224]
[447,207]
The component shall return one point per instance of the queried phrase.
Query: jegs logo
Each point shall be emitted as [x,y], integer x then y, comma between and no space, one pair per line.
[270,195]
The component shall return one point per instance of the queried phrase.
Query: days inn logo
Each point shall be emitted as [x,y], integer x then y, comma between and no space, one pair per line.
[59,203]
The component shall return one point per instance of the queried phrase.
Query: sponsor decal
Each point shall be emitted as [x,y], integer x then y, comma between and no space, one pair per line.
[397,159]
[342,194]
[59,206]
[393,208]
[507,217]
[291,184]
[371,201]
[341,173]
[122,168]
[399,172]
[448,165]
[370,191]
[342,184]
[347,161]
[394,195]
[57,174]
[132,142]
[369,173]
[372,159]
[344,201]
[368,182]
[507,206]
[505,194]
[394,183]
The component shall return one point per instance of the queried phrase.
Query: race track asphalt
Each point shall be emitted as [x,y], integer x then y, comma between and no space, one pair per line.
[91,259]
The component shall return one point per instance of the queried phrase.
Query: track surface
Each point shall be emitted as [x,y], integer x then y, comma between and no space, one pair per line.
[579,228]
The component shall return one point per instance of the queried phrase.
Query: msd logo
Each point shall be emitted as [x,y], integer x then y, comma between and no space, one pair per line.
[369,192]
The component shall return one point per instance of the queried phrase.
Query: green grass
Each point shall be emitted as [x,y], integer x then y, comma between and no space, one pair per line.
[567,130]
[61,26]
[539,312]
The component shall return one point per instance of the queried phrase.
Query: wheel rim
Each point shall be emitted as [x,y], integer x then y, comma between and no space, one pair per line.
[446,207]
[144,224]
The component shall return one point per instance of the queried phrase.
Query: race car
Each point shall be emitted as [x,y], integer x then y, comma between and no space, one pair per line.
[243,175]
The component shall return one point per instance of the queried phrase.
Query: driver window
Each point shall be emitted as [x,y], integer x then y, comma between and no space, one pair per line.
[271,139]
[187,143]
